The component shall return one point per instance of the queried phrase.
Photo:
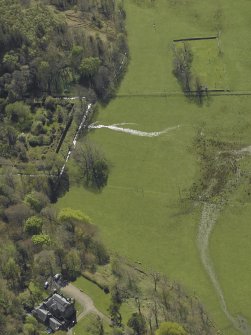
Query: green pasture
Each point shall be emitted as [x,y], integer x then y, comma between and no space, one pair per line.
[143,213]
[86,326]
[207,62]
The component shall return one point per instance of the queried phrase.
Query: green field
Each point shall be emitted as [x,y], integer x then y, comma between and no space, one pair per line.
[207,62]
[141,213]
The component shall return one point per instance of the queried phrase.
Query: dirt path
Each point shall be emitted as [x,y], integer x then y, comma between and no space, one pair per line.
[209,216]
[208,219]
[75,139]
[85,301]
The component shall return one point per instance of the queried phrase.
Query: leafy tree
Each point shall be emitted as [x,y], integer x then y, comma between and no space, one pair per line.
[45,265]
[36,200]
[41,239]
[30,329]
[17,214]
[10,61]
[93,166]
[100,173]
[89,66]
[19,114]
[170,328]
[76,55]
[33,225]
[73,264]
[11,272]
[69,214]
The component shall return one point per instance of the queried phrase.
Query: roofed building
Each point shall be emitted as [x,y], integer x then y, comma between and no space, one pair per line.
[56,312]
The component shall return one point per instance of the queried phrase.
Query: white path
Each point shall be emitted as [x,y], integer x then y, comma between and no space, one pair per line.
[74,142]
[130,131]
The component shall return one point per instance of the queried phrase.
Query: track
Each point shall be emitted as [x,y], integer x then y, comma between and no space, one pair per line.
[209,216]
[85,301]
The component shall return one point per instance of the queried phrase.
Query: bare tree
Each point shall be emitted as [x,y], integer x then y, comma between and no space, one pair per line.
[156,279]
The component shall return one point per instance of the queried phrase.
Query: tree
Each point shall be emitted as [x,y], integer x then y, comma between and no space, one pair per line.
[137,323]
[89,67]
[33,225]
[41,239]
[45,265]
[37,200]
[93,166]
[156,279]
[11,272]
[199,91]
[10,61]
[97,327]
[69,214]
[170,328]
[19,114]
[17,214]
[73,264]
[182,66]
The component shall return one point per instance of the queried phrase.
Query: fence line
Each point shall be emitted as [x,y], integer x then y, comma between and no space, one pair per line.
[220,92]
[196,39]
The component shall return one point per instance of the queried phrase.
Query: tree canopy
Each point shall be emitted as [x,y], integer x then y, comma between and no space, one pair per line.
[170,328]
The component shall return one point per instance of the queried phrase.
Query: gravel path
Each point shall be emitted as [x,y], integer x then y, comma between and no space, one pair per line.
[85,301]
[208,219]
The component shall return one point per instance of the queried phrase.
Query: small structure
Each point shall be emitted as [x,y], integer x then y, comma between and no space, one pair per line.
[56,312]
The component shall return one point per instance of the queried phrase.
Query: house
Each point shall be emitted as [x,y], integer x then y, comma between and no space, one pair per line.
[56,312]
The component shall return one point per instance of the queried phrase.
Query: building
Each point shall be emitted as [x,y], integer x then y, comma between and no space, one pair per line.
[56,312]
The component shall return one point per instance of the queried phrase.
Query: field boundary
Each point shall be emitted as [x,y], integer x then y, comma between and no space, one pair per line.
[196,39]
[220,92]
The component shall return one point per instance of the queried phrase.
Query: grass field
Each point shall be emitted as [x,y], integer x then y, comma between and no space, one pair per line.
[207,62]
[141,213]
[86,326]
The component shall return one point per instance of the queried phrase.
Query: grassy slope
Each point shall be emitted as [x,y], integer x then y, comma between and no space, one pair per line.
[150,225]
[100,299]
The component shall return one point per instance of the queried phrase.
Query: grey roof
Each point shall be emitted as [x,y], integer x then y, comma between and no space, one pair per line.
[57,302]
[42,314]
[54,324]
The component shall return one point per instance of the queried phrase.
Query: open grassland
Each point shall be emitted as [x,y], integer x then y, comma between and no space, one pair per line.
[142,212]
[207,62]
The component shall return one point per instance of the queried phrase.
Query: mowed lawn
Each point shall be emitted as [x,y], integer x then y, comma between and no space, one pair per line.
[141,213]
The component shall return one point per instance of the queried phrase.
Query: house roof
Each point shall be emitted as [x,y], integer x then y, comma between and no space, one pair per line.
[42,314]
[57,303]
[54,324]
